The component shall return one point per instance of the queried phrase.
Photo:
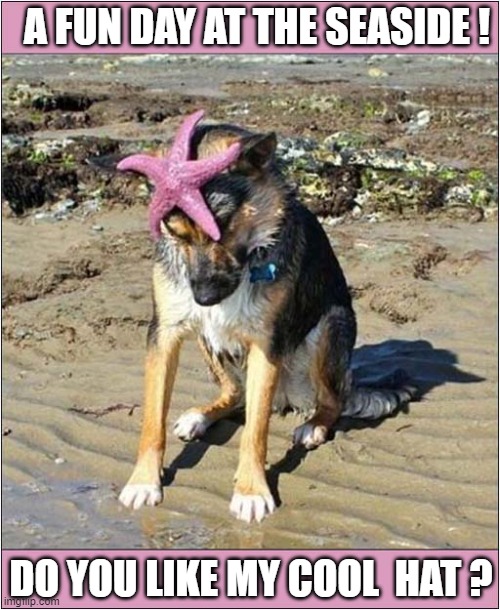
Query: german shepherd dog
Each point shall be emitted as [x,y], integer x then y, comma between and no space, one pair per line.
[272,312]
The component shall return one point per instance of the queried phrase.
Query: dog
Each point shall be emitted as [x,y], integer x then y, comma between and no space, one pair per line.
[273,315]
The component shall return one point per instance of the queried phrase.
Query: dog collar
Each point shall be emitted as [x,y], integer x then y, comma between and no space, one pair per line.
[265,273]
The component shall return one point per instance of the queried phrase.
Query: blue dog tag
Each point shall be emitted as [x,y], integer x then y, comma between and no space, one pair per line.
[266,273]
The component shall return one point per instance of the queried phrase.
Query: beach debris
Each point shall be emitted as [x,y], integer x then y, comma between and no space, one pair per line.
[44,99]
[111,66]
[404,427]
[407,110]
[419,122]
[21,332]
[377,73]
[84,488]
[349,175]
[101,412]
[62,209]
[427,260]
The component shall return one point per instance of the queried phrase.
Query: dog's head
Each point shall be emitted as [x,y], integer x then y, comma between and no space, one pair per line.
[247,204]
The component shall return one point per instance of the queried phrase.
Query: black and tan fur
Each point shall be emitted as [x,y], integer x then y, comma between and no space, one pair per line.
[268,344]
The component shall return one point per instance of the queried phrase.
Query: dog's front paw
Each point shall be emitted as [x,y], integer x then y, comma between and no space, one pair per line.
[310,435]
[135,495]
[251,508]
[191,425]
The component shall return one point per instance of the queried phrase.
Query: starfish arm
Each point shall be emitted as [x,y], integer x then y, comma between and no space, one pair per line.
[193,204]
[197,173]
[160,206]
[153,168]
[180,148]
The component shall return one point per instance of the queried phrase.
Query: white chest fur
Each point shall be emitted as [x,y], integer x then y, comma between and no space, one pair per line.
[223,324]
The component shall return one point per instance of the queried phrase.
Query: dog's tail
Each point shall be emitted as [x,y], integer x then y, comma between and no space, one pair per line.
[380,400]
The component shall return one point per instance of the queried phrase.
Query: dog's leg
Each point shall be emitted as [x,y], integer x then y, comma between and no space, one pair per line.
[330,376]
[164,342]
[195,422]
[252,498]
[144,486]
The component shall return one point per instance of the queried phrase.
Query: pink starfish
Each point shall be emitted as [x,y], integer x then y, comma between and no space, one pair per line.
[178,180]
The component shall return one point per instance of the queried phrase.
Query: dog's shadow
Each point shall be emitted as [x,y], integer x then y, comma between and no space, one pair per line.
[192,453]
[426,366]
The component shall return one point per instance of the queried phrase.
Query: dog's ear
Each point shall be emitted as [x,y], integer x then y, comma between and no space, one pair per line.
[257,152]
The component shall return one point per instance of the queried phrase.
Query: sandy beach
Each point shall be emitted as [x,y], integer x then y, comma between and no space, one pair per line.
[76,305]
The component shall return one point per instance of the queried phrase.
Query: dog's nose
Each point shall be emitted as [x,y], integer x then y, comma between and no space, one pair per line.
[206,294]
[207,299]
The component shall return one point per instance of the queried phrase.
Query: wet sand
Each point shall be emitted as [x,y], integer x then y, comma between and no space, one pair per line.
[74,343]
